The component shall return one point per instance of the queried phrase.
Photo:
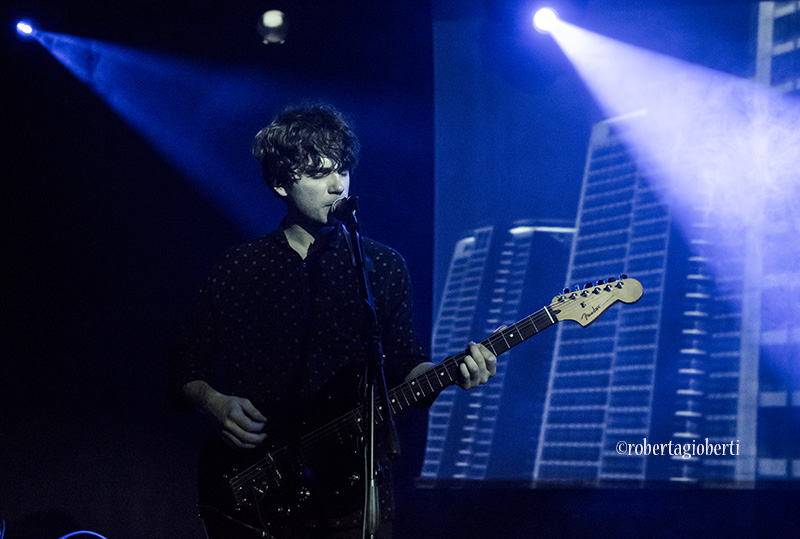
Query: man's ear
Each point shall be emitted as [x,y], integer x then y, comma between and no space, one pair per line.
[280,190]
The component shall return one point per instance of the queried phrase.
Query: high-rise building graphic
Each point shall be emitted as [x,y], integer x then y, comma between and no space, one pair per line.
[602,380]
[451,330]
[706,356]
[777,411]
[703,358]
[700,360]
[778,50]
[484,290]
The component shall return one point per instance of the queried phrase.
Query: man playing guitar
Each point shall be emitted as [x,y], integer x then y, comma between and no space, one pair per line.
[282,316]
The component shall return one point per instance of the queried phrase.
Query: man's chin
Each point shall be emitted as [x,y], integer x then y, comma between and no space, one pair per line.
[330,220]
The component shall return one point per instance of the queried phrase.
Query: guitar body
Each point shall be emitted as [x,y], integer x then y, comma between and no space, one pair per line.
[277,490]
[309,467]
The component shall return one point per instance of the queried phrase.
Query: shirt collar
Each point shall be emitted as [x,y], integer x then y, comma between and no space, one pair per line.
[334,239]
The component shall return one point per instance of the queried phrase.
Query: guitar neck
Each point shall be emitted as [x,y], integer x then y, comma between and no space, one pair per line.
[447,373]
[581,306]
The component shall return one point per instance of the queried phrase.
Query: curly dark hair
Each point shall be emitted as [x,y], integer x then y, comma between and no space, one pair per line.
[299,139]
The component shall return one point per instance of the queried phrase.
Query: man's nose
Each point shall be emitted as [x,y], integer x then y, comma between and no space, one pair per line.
[336,183]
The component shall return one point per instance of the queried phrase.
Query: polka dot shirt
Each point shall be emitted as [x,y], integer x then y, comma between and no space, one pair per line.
[285,330]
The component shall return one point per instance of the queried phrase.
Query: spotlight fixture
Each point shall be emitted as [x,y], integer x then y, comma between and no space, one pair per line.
[273,26]
[26,28]
[545,19]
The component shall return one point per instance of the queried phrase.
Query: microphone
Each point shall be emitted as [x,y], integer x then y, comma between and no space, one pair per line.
[344,208]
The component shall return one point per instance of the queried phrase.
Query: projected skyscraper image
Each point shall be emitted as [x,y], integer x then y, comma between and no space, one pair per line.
[697,383]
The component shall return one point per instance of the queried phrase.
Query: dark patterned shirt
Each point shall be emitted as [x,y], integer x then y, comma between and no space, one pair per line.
[289,335]
[286,329]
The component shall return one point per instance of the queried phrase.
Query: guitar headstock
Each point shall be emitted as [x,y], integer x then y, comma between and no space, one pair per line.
[585,305]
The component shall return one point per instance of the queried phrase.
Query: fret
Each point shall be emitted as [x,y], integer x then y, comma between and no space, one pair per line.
[396,396]
[513,336]
[414,387]
[530,325]
[498,346]
[448,375]
[403,395]
[504,340]
[411,393]
[415,390]
[356,422]
[524,328]
[427,379]
[535,329]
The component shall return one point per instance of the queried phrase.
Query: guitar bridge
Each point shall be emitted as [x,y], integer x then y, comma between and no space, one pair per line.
[251,484]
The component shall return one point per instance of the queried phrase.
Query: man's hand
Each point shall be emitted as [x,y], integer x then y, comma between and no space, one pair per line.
[235,418]
[478,366]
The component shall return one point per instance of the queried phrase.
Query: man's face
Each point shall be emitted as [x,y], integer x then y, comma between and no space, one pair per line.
[309,199]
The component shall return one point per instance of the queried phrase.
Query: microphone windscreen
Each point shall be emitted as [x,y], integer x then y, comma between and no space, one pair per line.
[343,208]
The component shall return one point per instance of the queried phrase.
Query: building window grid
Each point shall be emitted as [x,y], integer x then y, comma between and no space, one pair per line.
[598,218]
[453,323]
[475,444]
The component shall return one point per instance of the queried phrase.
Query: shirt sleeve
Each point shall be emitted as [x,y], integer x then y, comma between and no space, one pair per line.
[401,347]
[193,355]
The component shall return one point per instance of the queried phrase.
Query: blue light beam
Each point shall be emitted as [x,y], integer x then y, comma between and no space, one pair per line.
[725,155]
[728,142]
[200,118]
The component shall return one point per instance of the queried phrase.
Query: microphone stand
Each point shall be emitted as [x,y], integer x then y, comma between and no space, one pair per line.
[374,383]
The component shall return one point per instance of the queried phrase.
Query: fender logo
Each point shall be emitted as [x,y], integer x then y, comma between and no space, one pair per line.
[586,316]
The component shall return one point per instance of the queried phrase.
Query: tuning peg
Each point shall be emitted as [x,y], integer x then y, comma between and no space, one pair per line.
[599,282]
[612,279]
[566,291]
[587,285]
[623,276]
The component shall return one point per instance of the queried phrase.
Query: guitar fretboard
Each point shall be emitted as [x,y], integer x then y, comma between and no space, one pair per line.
[448,372]
[444,374]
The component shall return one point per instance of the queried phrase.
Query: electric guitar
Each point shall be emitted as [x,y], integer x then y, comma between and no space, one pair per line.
[261,492]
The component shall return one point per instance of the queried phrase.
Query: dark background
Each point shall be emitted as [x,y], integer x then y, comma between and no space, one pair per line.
[105,244]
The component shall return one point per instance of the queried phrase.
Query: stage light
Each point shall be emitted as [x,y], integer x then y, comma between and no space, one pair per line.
[25,28]
[273,27]
[545,19]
